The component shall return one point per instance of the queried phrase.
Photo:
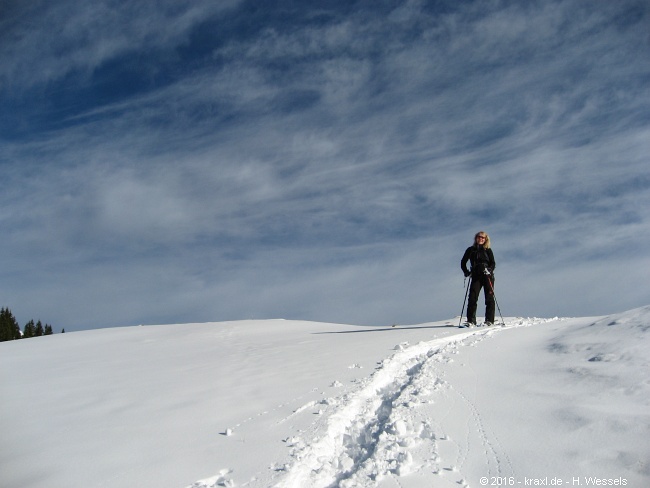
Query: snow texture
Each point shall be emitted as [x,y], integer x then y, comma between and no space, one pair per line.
[296,404]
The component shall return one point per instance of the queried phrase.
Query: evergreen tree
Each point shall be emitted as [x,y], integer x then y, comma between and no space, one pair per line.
[9,328]
[18,334]
[29,330]
[5,329]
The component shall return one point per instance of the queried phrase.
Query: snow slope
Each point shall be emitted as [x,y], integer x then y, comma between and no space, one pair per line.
[302,404]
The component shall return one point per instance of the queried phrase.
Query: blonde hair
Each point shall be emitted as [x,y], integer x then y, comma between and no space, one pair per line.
[486,245]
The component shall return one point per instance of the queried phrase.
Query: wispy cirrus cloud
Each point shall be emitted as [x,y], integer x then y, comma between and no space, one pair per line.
[244,147]
[65,38]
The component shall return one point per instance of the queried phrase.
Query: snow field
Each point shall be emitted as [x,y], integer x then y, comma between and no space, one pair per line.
[293,404]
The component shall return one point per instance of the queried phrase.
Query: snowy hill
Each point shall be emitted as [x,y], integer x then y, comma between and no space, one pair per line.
[301,404]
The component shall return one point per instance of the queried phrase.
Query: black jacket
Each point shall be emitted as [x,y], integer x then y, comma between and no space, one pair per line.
[480,260]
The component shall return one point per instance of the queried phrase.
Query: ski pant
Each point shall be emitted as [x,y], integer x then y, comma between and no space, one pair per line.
[477,283]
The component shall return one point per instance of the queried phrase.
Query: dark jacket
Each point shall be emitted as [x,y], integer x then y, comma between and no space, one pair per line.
[480,260]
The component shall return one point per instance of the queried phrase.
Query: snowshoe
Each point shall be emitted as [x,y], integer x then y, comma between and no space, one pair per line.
[465,325]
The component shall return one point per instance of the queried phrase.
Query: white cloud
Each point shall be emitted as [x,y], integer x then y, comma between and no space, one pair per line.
[400,136]
[65,37]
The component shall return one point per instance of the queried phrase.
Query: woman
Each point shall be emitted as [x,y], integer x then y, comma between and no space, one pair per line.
[481,258]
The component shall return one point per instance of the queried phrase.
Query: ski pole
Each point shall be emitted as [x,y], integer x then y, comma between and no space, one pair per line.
[495,300]
[463,309]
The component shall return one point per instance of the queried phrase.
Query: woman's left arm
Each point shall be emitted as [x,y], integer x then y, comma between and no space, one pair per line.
[493,263]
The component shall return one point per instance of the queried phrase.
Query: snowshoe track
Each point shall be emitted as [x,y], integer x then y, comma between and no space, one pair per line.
[374,432]
[377,434]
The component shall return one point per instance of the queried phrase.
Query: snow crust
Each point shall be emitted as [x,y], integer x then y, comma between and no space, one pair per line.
[300,404]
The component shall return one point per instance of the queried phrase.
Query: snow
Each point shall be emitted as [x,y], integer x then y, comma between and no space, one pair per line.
[559,401]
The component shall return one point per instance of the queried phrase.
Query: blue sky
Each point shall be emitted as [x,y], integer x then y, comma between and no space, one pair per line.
[198,161]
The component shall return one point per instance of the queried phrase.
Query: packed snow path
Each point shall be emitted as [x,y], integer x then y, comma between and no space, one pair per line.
[383,430]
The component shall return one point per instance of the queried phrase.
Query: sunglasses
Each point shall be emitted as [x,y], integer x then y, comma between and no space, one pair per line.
[481,237]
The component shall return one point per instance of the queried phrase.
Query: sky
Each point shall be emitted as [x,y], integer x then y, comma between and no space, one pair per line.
[187,161]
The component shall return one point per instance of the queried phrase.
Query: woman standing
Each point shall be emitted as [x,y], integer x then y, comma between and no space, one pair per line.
[481,259]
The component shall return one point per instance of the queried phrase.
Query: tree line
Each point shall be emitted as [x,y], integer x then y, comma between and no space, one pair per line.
[10,330]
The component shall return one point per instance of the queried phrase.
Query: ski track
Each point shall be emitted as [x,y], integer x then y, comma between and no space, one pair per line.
[380,431]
